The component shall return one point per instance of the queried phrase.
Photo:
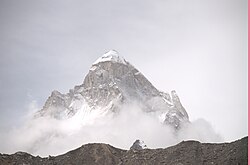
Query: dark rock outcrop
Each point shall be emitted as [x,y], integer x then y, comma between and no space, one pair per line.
[186,152]
[138,145]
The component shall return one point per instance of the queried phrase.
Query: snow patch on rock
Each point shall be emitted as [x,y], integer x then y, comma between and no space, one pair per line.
[138,145]
[112,56]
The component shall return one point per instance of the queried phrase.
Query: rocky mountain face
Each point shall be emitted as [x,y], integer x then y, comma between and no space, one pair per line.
[111,83]
[184,153]
[138,145]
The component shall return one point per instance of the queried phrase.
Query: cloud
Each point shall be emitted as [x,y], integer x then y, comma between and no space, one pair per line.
[47,136]
[198,48]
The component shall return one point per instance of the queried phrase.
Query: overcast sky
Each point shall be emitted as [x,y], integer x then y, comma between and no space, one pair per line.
[197,47]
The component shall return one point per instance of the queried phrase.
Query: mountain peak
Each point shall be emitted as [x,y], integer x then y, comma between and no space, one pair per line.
[112,56]
[111,52]
[110,84]
[138,145]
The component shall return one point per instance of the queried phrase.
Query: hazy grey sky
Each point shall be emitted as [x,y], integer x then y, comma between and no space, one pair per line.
[197,47]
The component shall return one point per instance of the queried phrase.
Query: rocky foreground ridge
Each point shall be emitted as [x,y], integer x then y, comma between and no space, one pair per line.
[186,152]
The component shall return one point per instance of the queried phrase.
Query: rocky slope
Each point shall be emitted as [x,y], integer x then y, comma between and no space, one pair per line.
[186,152]
[111,83]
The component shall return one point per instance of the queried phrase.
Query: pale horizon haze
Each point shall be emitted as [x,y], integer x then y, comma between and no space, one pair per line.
[196,47]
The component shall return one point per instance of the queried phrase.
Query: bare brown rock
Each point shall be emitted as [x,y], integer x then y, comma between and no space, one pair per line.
[184,153]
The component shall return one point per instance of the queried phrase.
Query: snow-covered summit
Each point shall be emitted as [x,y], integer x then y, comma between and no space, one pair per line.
[111,84]
[112,56]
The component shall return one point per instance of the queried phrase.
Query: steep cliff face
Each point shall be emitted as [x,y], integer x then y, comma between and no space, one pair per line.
[113,82]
